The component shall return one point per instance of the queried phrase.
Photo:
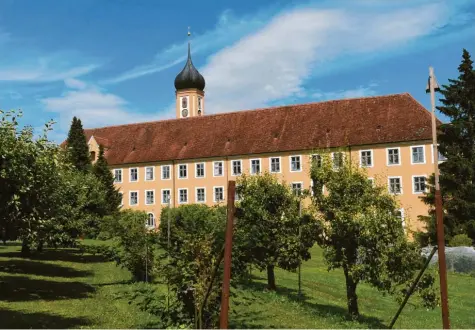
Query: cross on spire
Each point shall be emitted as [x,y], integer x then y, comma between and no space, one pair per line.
[189,33]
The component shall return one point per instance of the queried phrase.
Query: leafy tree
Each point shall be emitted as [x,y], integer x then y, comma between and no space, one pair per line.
[77,146]
[457,144]
[360,233]
[267,231]
[102,172]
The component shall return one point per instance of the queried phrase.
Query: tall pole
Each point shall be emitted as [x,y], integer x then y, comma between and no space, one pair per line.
[300,247]
[228,244]
[438,211]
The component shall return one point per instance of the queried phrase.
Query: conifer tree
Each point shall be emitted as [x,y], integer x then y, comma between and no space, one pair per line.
[77,146]
[104,175]
[457,143]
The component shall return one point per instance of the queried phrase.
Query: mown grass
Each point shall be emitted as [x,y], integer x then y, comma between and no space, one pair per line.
[66,289]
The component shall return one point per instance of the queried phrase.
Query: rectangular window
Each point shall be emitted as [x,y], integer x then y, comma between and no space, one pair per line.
[297,188]
[237,167]
[133,198]
[337,160]
[165,172]
[236,194]
[419,184]
[317,160]
[182,171]
[150,220]
[183,196]
[366,158]
[417,155]
[134,174]
[149,173]
[393,156]
[149,197]
[200,195]
[118,176]
[295,164]
[255,166]
[400,216]
[275,164]
[200,170]
[218,194]
[395,185]
[441,157]
[121,198]
[218,169]
[166,196]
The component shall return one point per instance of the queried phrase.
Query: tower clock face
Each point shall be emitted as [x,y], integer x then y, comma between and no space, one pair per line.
[184,113]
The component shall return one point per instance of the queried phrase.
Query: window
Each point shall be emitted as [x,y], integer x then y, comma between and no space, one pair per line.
[295,164]
[150,220]
[275,164]
[182,171]
[393,156]
[133,198]
[317,160]
[183,195]
[441,157]
[237,167]
[200,170]
[200,105]
[218,194]
[417,155]
[121,198]
[395,185]
[165,172]
[184,107]
[92,155]
[218,169]
[337,160]
[366,158]
[149,173]
[200,195]
[255,166]
[166,196]
[134,174]
[400,216]
[149,197]
[297,188]
[419,184]
[118,176]
[236,194]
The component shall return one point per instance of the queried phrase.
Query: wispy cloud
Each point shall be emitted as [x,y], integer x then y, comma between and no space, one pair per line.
[361,91]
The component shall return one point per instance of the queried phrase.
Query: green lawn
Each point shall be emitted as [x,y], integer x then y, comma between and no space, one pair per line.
[64,289]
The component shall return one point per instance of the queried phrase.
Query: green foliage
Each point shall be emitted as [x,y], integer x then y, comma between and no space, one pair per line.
[361,233]
[104,175]
[267,231]
[78,151]
[460,240]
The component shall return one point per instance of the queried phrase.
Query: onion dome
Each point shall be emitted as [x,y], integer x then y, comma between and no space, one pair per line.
[189,77]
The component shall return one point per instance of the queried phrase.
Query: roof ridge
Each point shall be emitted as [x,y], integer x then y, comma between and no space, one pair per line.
[256,109]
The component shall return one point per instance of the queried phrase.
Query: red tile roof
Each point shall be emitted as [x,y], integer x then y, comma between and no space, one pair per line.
[339,123]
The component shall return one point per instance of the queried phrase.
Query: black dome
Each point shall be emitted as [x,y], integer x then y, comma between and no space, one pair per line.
[189,77]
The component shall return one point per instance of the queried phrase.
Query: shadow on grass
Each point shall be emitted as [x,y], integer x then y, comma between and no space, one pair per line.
[22,320]
[68,255]
[24,266]
[18,288]
[322,310]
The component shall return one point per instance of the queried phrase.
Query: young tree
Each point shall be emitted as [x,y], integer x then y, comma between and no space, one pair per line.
[267,230]
[361,233]
[457,144]
[104,175]
[77,146]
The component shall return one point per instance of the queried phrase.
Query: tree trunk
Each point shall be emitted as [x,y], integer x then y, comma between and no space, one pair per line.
[351,296]
[271,278]
[25,249]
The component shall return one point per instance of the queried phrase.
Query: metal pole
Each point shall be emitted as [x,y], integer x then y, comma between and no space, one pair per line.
[228,244]
[300,247]
[438,212]
[168,255]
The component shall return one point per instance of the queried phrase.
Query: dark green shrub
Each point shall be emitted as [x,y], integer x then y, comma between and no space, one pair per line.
[460,240]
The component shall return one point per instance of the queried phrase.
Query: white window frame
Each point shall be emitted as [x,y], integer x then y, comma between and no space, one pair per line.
[399,153]
[179,196]
[154,197]
[317,156]
[270,164]
[423,154]
[169,194]
[250,166]
[196,194]
[300,162]
[301,186]
[196,170]
[169,172]
[121,175]
[146,224]
[178,172]
[222,168]
[371,155]
[413,184]
[214,194]
[153,173]
[403,217]
[342,159]
[130,197]
[400,183]
[232,166]
[130,174]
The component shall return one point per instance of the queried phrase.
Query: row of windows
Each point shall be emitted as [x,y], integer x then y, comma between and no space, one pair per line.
[418,184]
[200,196]
[393,156]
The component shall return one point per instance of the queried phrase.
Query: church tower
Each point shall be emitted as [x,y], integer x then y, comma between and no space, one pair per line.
[189,85]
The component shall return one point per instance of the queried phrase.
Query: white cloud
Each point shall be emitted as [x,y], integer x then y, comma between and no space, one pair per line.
[75,83]
[360,91]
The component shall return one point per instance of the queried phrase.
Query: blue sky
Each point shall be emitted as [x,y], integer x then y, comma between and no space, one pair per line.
[114,61]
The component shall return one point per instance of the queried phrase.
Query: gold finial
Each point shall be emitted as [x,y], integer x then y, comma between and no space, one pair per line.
[189,33]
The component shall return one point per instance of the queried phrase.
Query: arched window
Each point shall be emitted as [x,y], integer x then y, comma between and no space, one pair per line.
[150,220]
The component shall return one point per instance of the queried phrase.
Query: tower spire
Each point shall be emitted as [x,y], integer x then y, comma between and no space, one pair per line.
[189,43]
